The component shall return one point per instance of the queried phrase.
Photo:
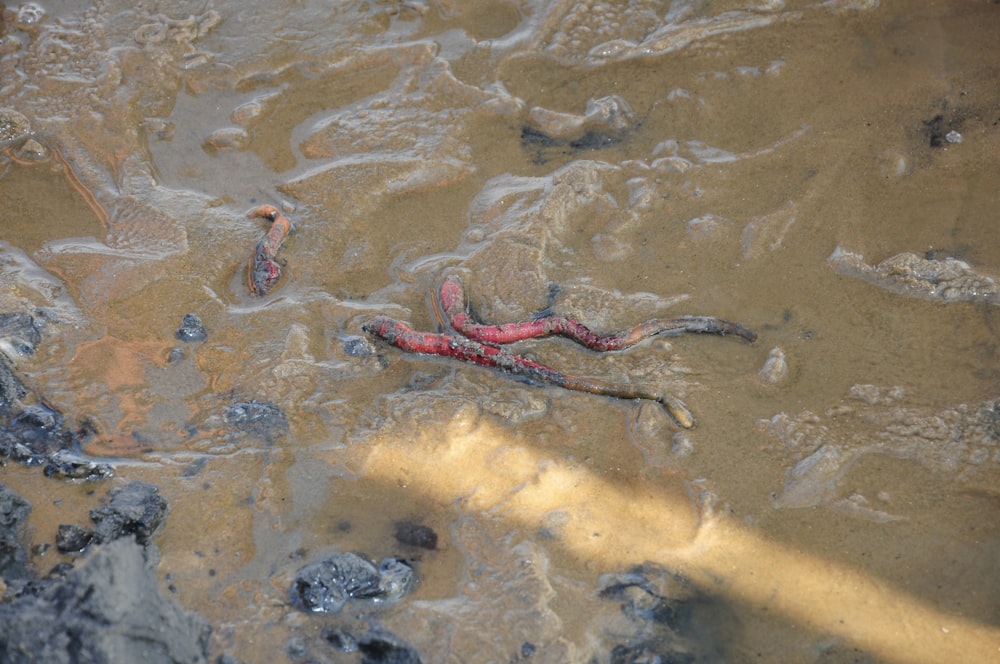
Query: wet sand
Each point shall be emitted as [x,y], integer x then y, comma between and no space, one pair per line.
[824,173]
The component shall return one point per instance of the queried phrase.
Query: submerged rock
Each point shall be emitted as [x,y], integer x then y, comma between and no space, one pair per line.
[960,442]
[775,369]
[260,419]
[667,619]
[415,534]
[325,587]
[13,126]
[944,279]
[36,436]
[382,647]
[607,121]
[191,329]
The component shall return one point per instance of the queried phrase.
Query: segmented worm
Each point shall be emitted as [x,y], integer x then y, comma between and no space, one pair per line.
[451,295]
[467,350]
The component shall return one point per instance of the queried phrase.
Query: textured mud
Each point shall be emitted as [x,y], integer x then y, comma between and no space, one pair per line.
[611,162]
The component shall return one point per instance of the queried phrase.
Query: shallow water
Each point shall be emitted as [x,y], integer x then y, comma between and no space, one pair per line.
[841,506]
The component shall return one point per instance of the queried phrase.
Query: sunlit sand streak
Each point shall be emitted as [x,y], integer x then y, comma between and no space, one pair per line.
[615,526]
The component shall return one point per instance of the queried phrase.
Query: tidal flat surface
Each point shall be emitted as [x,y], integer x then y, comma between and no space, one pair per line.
[825,173]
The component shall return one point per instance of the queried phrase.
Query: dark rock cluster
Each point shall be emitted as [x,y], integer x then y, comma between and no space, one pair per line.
[106,609]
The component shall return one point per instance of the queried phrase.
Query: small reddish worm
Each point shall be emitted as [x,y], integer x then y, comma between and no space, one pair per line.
[263,269]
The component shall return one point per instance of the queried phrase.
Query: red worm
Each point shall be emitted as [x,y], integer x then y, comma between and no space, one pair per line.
[484,354]
[263,269]
[452,299]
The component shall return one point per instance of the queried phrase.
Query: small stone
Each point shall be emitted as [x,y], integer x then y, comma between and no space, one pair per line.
[135,509]
[358,346]
[72,539]
[415,534]
[227,138]
[191,329]
[775,369]
[32,150]
[13,125]
[381,647]
[340,639]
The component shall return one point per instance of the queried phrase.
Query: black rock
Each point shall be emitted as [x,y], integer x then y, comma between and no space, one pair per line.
[415,534]
[39,417]
[643,654]
[14,512]
[12,390]
[325,587]
[382,647]
[108,610]
[615,584]
[191,329]
[72,539]
[33,435]
[19,334]
[65,465]
[134,509]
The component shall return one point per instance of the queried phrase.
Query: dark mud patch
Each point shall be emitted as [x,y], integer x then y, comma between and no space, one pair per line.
[376,646]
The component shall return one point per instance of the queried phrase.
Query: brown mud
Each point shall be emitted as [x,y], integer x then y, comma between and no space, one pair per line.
[825,173]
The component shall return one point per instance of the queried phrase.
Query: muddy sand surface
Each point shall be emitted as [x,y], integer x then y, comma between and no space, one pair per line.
[824,173]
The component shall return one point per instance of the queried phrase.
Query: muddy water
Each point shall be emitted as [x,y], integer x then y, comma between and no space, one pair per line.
[756,161]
